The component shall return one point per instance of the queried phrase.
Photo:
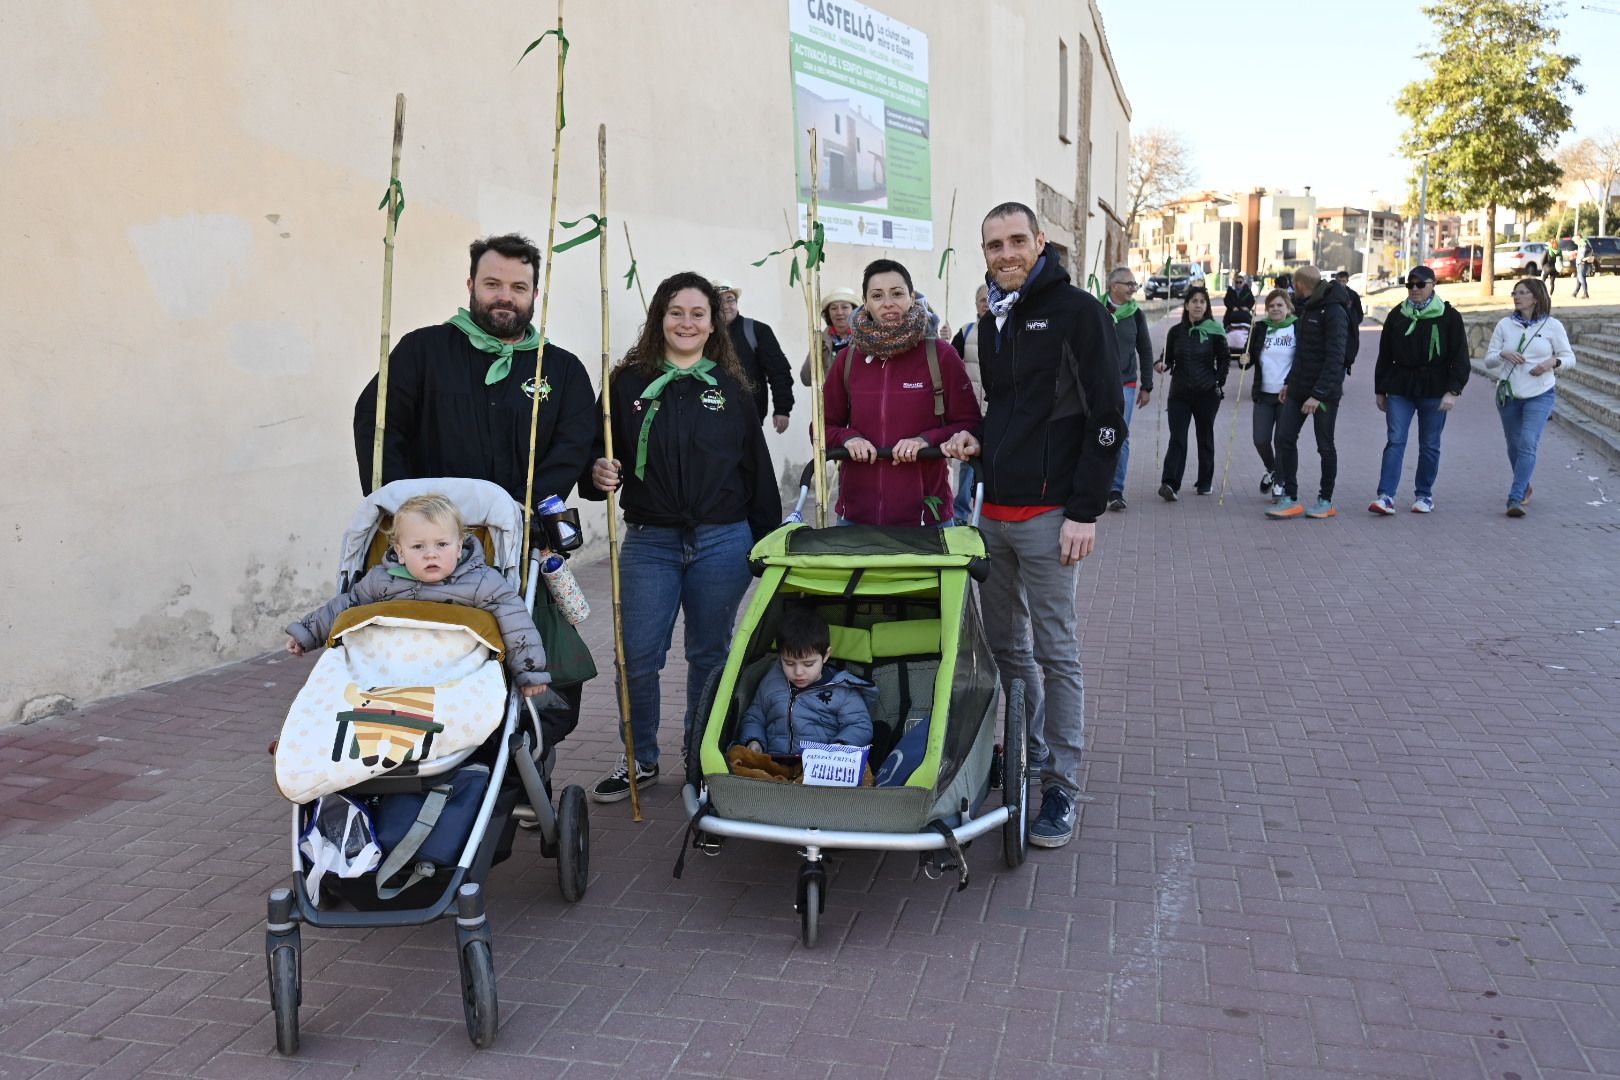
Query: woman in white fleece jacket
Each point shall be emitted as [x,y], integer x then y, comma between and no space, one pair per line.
[1525,349]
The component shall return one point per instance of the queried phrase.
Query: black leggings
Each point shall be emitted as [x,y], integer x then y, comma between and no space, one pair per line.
[1290,422]
[1266,410]
[1200,409]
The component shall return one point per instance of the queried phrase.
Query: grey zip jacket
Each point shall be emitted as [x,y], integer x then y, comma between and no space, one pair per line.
[836,709]
[473,583]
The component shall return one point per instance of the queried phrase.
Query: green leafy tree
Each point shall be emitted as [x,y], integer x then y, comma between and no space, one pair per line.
[1492,108]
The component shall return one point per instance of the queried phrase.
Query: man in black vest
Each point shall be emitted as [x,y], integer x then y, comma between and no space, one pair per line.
[762,358]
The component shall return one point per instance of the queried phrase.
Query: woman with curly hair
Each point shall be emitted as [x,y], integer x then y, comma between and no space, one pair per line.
[697,490]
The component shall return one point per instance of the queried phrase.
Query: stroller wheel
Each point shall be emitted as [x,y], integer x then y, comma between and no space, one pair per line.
[478,999]
[284,997]
[573,843]
[1015,780]
[812,901]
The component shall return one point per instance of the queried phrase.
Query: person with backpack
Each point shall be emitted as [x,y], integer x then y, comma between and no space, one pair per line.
[1355,316]
[1197,359]
[1422,368]
[1549,266]
[1135,344]
[761,356]
[895,386]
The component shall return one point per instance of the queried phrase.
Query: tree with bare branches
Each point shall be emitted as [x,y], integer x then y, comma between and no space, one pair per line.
[1160,169]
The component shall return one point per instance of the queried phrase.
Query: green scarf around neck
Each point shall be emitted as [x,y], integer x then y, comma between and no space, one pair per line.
[1206,328]
[485,342]
[1278,324]
[1435,308]
[1124,311]
[655,391]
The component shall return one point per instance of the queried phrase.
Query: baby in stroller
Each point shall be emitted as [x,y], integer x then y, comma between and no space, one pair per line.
[801,699]
[432,557]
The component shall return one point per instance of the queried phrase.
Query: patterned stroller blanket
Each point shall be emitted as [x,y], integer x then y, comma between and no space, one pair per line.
[392,690]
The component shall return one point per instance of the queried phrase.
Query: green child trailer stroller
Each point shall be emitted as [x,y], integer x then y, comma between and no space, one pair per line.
[903,614]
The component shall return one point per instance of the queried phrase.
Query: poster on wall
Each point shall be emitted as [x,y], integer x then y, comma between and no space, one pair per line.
[860,79]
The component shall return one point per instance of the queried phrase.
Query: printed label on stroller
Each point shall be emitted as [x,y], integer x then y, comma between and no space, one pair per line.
[826,765]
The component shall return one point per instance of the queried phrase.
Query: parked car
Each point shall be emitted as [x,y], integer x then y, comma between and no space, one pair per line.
[1463,262]
[1519,260]
[1174,286]
[1605,254]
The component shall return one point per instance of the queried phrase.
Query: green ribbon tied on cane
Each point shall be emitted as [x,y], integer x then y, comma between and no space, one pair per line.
[489,343]
[395,191]
[1094,286]
[654,393]
[562,40]
[599,223]
[630,276]
[1432,311]
[944,257]
[814,254]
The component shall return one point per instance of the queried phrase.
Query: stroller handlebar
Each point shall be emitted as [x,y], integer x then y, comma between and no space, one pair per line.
[884,453]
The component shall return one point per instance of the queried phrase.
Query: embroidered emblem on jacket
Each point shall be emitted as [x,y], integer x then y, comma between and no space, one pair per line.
[713,399]
[544,388]
[1106,436]
[1035,324]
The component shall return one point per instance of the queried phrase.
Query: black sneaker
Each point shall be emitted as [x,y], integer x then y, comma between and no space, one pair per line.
[1167,493]
[1116,500]
[1054,827]
[1266,480]
[615,786]
[1204,490]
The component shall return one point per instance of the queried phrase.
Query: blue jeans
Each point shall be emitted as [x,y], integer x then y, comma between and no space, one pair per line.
[1580,281]
[1523,421]
[702,572]
[1124,447]
[1398,413]
[966,479]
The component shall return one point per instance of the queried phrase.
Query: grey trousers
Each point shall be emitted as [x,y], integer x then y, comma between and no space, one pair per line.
[1029,616]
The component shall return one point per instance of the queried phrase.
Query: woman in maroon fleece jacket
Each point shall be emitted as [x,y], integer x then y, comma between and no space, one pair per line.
[881,392]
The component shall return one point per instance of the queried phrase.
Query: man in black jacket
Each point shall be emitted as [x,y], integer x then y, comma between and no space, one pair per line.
[762,357]
[1356,316]
[1239,297]
[1315,384]
[1134,342]
[1052,431]
[1422,367]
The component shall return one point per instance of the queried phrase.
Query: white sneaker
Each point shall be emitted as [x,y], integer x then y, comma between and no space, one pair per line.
[1382,505]
[1423,506]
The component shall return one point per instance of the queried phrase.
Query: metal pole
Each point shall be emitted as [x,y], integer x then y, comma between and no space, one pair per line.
[1423,213]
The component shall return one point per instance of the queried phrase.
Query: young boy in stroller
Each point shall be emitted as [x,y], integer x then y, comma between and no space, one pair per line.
[801,699]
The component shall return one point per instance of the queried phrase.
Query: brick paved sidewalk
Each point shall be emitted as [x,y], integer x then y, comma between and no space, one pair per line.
[1340,827]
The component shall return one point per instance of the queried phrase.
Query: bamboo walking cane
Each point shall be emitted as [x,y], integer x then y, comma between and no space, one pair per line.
[1231,436]
[945,260]
[613,496]
[394,201]
[545,295]
[631,248]
[817,375]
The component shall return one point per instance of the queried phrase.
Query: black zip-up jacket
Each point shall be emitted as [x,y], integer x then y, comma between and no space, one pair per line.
[1055,405]
[443,420]
[1237,300]
[1319,343]
[706,457]
[1404,367]
[765,366]
[1134,341]
[1196,367]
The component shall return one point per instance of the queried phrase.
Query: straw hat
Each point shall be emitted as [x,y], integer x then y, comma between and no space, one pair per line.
[848,296]
[722,285]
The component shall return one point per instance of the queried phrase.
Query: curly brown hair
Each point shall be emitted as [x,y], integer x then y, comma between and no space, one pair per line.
[647,354]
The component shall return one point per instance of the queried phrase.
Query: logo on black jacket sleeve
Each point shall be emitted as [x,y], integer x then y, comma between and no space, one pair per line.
[1106,437]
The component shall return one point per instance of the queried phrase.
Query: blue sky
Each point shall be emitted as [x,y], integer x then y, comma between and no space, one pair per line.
[1219,74]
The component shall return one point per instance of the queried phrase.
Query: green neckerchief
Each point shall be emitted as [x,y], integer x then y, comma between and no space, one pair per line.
[655,390]
[485,342]
[1124,311]
[1207,327]
[1280,324]
[1436,307]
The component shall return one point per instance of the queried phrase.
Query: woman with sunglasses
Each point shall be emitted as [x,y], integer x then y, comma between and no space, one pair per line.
[1422,367]
[1525,349]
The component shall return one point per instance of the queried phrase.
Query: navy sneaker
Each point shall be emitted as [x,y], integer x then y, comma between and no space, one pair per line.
[1055,825]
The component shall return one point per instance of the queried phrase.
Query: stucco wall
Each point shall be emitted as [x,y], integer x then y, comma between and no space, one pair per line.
[193,260]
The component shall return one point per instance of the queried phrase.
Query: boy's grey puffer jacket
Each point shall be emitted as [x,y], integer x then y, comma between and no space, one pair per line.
[835,710]
[473,583]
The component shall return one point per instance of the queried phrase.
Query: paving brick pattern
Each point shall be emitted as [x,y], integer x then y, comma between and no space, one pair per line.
[1354,812]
